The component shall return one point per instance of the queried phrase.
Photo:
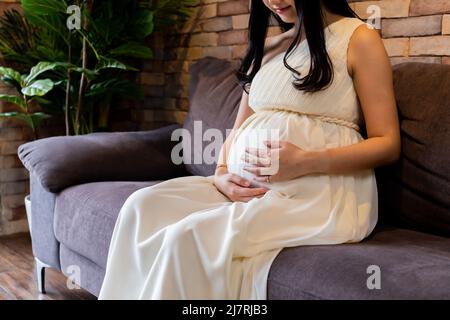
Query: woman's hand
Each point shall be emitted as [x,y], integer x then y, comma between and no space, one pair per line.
[235,187]
[284,161]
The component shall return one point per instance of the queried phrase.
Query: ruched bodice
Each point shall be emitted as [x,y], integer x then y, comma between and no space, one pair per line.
[272,86]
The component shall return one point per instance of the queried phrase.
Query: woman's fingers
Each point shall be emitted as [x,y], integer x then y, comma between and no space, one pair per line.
[249,192]
[258,152]
[263,178]
[247,199]
[253,169]
[241,189]
[255,160]
[239,180]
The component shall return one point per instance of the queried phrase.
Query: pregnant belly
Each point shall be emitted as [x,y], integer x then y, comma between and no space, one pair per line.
[300,130]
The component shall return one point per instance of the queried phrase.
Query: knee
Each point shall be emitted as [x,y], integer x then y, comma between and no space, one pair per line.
[136,203]
[141,197]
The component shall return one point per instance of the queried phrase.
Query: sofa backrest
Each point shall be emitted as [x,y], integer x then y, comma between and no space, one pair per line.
[415,191]
[214,96]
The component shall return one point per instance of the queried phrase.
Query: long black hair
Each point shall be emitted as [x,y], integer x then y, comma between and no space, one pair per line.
[310,12]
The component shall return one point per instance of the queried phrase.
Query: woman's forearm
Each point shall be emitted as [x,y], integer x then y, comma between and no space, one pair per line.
[223,154]
[367,154]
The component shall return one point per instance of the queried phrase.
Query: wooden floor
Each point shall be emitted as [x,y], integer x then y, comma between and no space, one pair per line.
[18,279]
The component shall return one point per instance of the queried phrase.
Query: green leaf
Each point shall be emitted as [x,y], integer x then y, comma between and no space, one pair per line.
[44,7]
[143,25]
[17,38]
[20,116]
[13,82]
[38,88]
[110,63]
[8,74]
[33,120]
[14,99]
[134,50]
[38,117]
[90,74]
[42,67]
[117,86]
[42,101]
[50,17]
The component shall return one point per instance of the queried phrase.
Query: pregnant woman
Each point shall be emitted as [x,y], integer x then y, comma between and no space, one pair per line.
[315,85]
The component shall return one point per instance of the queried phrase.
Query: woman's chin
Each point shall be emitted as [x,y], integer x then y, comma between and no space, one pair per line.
[288,20]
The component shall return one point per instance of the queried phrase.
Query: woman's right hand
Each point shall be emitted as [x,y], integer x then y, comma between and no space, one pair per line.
[235,187]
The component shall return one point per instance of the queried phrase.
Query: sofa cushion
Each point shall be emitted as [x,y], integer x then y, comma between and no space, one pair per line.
[214,95]
[92,275]
[85,216]
[61,162]
[413,265]
[417,187]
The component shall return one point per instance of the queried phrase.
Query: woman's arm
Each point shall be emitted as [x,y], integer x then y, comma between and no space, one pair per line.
[244,109]
[371,70]
[235,187]
[243,113]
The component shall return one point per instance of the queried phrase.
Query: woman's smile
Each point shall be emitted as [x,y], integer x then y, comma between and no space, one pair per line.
[282,10]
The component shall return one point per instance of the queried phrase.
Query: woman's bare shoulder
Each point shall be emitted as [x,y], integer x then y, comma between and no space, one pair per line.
[366,45]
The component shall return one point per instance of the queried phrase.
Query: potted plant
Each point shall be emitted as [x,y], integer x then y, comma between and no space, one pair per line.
[31,89]
[85,68]
[103,51]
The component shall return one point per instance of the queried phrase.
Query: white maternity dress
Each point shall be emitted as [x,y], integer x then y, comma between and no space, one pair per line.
[183,239]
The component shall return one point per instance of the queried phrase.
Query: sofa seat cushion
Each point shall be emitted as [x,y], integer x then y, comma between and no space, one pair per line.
[85,216]
[412,265]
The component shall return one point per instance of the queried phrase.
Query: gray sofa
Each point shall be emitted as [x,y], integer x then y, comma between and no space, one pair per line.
[78,185]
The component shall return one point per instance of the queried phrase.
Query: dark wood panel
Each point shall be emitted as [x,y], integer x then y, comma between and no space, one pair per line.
[18,279]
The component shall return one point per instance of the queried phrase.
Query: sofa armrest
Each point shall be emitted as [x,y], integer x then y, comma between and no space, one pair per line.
[61,162]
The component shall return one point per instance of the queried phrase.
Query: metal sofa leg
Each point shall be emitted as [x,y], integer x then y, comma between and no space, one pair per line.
[40,274]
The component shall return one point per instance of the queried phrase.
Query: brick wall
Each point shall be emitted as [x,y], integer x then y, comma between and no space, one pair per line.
[217,28]
[413,30]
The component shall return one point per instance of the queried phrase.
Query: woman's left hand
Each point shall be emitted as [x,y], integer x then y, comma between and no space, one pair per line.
[281,160]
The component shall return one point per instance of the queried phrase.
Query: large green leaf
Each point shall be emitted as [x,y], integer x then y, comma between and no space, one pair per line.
[134,50]
[38,117]
[9,74]
[44,7]
[90,74]
[42,67]
[42,101]
[18,38]
[143,25]
[49,15]
[116,86]
[110,63]
[38,88]
[18,115]
[14,99]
